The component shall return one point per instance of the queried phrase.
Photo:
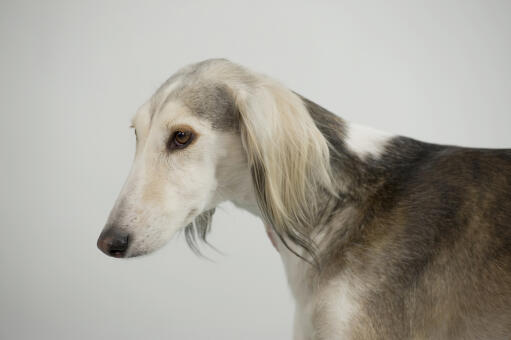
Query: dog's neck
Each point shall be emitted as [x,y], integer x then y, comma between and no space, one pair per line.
[358,157]
[363,160]
[355,153]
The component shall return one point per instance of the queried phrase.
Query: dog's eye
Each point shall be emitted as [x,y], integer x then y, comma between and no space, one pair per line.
[180,139]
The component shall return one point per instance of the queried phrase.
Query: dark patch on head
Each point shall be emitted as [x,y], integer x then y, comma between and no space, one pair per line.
[209,99]
[213,102]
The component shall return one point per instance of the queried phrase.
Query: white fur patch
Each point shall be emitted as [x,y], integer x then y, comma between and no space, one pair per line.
[298,280]
[365,141]
[335,309]
[325,312]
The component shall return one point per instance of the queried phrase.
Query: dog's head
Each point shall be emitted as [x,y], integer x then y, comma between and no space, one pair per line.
[214,132]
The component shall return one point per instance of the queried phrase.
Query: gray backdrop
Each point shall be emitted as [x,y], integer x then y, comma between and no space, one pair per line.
[72,73]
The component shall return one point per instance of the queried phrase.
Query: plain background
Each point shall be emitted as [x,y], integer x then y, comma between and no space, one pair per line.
[72,73]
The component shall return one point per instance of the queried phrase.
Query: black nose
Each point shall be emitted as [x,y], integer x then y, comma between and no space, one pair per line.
[113,242]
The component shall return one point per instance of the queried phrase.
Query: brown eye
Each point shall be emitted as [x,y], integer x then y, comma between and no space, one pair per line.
[180,139]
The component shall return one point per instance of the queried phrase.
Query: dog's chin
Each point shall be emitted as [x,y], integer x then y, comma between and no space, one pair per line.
[135,253]
[139,252]
[141,247]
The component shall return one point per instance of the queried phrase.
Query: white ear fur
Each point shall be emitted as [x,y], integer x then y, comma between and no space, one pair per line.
[288,157]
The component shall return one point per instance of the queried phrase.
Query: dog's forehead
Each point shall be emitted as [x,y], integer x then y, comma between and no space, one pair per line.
[209,100]
[206,89]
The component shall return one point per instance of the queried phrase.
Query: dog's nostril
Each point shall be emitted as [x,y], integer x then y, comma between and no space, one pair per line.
[118,246]
[113,242]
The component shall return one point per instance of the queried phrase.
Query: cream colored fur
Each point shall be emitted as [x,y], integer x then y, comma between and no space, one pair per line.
[288,155]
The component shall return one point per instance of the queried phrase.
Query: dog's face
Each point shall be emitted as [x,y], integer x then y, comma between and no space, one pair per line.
[213,132]
[180,162]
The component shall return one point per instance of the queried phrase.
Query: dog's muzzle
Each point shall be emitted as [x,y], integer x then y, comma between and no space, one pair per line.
[113,242]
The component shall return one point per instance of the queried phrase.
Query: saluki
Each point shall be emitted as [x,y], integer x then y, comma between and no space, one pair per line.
[381,236]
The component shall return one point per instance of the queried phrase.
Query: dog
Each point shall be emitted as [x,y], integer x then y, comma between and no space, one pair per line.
[381,236]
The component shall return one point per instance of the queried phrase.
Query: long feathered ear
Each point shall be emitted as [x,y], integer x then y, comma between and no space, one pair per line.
[288,158]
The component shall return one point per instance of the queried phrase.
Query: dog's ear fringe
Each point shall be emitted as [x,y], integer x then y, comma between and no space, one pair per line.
[289,160]
[198,230]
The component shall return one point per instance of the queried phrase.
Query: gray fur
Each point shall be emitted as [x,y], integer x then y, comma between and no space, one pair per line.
[198,230]
[210,101]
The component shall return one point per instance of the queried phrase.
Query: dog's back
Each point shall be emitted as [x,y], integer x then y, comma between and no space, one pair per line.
[432,250]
